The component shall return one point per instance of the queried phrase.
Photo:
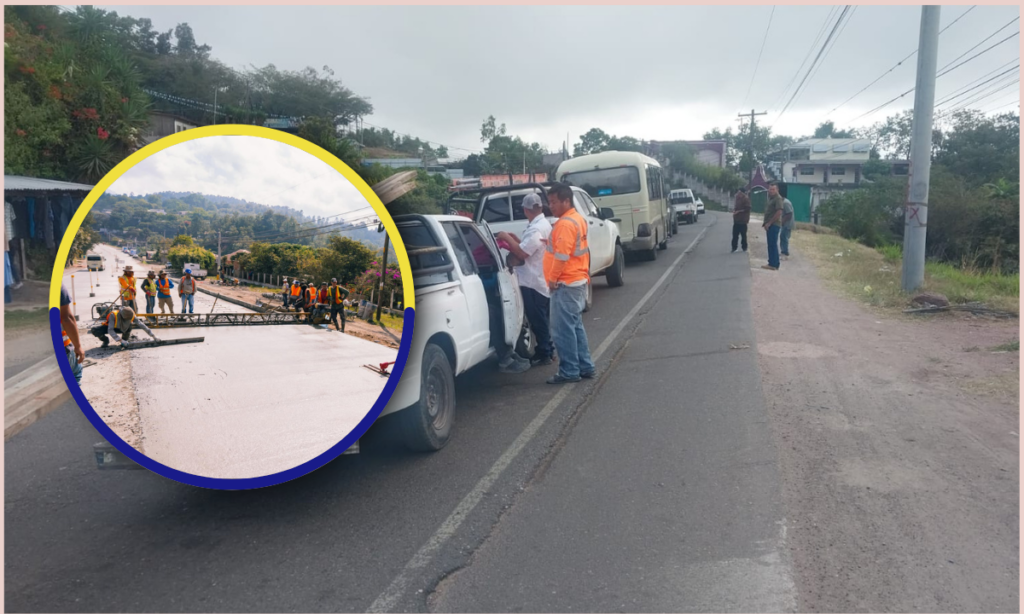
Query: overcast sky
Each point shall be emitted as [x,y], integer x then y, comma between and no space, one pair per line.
[650,72]
[251,168]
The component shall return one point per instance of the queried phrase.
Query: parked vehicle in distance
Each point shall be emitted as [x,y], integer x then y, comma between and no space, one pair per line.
[501,208]
[197,272]
[700,206]
[683,205]
[466,299]
[94,261]
[631,184]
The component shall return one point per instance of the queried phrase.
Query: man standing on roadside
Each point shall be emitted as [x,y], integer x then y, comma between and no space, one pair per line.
[740,219]
[127,282]
[773,225]
[69,330]
[285,292]
[567,272]
[336,298]
[163,292]
[536,295]
[788,222]
[187,291]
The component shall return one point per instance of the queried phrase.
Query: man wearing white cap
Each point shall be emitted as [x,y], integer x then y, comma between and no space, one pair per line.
[536,296]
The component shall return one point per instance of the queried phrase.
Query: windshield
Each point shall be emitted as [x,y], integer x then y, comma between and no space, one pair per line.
[427,256]
[680,199]
[607,181]
[94,258]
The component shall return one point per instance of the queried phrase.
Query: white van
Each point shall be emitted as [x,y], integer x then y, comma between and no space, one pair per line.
[94,261]
[684,205]
[631,184]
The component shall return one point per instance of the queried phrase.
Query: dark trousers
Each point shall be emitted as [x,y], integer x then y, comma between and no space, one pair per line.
[538,308]
[100,332]
[739,230]
[338,312]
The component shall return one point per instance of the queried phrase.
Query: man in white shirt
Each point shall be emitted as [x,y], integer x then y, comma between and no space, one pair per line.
[536,295]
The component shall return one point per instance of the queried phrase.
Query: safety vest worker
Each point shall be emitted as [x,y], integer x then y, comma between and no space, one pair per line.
[337,294]
[127,282]
[567,260]
[164,285]
[295,289]
[311,295]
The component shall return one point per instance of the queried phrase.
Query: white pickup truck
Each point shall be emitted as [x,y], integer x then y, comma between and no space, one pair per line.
[468,307]
[501,208]
[197,272]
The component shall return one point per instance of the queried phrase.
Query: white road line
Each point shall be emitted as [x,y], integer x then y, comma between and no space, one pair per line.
[391,595]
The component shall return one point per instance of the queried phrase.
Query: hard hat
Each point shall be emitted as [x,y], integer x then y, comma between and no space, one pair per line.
[189,271]
[334,280]
[127,312]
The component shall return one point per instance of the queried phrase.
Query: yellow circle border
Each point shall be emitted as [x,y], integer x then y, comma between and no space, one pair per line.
[409,293]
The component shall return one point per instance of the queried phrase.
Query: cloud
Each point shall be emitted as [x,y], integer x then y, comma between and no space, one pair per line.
[251,168]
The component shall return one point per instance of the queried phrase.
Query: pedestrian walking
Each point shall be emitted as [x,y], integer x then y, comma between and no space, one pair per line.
[536,296]
[567,273]
[740,219]
[285,292]
[127,283]
[119,323]
[773,225]
[336,299]
[788,223]
[149,289]
[69,331]
[163,292]
[187,291]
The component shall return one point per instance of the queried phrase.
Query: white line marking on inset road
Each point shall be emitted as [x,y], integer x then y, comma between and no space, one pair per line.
[391,595]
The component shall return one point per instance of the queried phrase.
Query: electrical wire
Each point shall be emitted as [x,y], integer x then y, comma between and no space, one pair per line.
[952,97]
[759,53]
[979,54]
[829,49]
[807,56]
[799,87]
[1007,25]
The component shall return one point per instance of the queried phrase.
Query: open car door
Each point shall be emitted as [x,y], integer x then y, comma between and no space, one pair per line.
[511,299]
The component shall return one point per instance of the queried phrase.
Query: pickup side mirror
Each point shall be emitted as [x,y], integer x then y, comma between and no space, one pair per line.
[607,213]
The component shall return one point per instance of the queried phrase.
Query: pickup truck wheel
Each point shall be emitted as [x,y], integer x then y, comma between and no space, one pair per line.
[527,343]
[427,425]
[614,274]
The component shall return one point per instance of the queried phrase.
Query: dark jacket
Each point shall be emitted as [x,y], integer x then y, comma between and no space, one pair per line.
[741,212]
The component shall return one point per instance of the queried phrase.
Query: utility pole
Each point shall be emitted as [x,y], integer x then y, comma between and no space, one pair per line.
[383,276]
[915,225]
[750,146]
[218,254]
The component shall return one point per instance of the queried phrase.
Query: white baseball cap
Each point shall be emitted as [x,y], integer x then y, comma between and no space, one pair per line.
[532,201]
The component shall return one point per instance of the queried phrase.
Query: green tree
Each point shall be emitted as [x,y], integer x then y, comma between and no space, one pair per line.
[595,140]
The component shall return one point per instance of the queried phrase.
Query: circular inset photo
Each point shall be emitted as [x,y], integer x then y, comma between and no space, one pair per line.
[244,307]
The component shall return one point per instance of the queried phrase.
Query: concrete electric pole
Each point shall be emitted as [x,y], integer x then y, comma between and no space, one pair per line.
[750,145]
[915,226]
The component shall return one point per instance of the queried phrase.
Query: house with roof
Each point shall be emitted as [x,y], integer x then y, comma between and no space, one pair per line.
[828,161]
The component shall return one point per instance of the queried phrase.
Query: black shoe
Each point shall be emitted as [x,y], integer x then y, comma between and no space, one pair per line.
[590,375]
[106,342]
[541,361]
[559,379]
[733,251]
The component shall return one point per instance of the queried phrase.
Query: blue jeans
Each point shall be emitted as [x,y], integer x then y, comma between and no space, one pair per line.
[784,240]
[150,304]
[188,299]
[76,368]
[773,246]
[538,309]
[567,331]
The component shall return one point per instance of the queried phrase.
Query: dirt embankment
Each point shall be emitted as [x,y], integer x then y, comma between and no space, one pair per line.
[899,446]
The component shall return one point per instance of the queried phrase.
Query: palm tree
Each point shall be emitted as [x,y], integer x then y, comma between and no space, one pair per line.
[1003,189]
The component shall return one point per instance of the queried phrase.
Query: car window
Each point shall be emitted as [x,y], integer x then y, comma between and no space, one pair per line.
[581,206]
[591,207]
[496,209]
[461,251]
[482,255]
[416,236]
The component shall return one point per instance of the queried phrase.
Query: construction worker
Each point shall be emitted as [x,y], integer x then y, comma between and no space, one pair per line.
[310,297]
[296,293]
[336,296]
[163,292]
[567,273]
[69,330]
[149,289]
[286,292]
[119,323]
[127,282]
[187,291]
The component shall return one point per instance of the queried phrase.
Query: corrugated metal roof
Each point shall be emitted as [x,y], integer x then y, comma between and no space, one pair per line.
[15,182]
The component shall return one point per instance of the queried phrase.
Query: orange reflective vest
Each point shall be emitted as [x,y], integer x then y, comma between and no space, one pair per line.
[127,287]
[338,294]
[567,258]
[67,340]
[311,295]
[117,319]
[164,286]
[322,295]
[295,290]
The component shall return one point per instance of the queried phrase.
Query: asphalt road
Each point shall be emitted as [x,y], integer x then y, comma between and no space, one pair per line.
[653,488]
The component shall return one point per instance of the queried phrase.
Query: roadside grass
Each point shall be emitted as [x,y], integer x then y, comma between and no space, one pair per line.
[873,276]
[1013,346]
[393,323]
[21,319]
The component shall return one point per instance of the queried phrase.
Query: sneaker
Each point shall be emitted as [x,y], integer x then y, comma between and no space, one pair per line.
[770,268]
[733,251]
[541,361]
[558,378]
[513,364]
[589,375]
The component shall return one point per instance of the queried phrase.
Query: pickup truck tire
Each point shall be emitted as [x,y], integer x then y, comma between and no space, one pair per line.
[527,343]
[427,425]
[614,272]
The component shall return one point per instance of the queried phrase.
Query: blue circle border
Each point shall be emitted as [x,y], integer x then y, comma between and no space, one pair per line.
[242,483]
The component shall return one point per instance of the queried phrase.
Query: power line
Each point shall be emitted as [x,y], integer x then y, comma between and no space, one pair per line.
[967,91]
[988,74]
[897,65]
[1007,25]
[980,53]
[979,97]
[759,53]
[807,56]
[829,49]
[415,137]
[831,34]
[1002,106]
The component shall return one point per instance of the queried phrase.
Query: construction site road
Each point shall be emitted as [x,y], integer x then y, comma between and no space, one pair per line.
[248,401]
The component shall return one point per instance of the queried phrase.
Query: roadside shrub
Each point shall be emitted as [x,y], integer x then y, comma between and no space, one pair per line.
[867,215]
[893,252]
